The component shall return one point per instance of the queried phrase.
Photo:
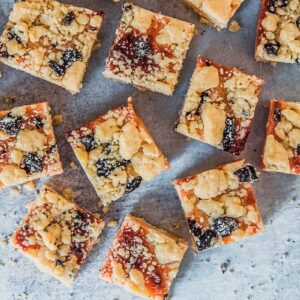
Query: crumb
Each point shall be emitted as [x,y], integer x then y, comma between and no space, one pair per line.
[68,193]
[4,243]
[141,89]
[274,64]
[97,45]
[97,215]
[234,26]
[176,225]
[8,99]
[112,223]
[29,186]
[73,166]
[105,209]
[57,119]
[15,192]
[224,266]
[115,1]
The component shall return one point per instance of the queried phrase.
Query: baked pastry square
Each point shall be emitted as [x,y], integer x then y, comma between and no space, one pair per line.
[282,145]
[278,31]
[215,13]
[143,259]
[148,50]
[50,40]
[57,235]
[28,147]
[117,153]
[219,106]
[220,205]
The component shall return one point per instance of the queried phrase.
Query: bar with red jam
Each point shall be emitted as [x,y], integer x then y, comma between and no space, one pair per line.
[148,50]
[57,235]
[282,144]
[220,205]
[143,259]
[219,106]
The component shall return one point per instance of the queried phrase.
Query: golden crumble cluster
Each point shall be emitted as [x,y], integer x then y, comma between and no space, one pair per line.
[143,259]
[220,205]
[219,106]
[282,145]
[278,31]
[117,153]
[50,40]
[57,235]
[148,50]
[28,147]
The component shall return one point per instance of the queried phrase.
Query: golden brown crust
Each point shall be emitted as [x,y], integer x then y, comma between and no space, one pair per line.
[143,259]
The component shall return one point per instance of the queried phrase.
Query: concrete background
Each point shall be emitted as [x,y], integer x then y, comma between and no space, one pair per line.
[264,267]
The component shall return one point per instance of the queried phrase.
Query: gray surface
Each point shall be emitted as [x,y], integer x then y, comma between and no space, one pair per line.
[264,267]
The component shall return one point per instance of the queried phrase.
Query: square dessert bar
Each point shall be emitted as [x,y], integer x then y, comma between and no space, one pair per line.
[215,13]
[278,31]
[50,40]
[117,153]
[219,106]
[148,50]
[220,205]
[282,145]
[57,235]
[143,259]
[27,145]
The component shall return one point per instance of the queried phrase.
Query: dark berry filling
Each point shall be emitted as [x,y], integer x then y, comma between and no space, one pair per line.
[194,228]
[89,142]
[11,124]
[69,18]
[133,184]
[32,163]
[224,226]
[38,122]
[272,48]
[204,241]
[246,174]
[106,166]
[228,134]
[277,114]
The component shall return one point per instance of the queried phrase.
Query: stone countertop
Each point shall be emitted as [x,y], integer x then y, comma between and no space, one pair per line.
[265,267]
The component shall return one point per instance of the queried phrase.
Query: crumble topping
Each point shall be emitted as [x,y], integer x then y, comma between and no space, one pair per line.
[219,106]
[28,147]
[220,205]
[117,153]
[50,40]
[149,49]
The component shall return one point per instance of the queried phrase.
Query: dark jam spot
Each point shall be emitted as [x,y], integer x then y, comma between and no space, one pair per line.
[32,163]
[133,184]
[271,6]
[13,36]
[59,262]
[68,19]
[205,240]
[246,174]
[105,167]
[4,54]
[195,230]
[107,148]
[297,60]
[59,70]
[224,226]
[298,22]
[127,7]
[79,216]
[38,122]
[26,227]
[142,47]
[11,124]
[277,114]
[203,99]
[228,134]
[272,48]
[89,142]
[52,149]
[298,149]
[76,249]
[70,56]
[166,296]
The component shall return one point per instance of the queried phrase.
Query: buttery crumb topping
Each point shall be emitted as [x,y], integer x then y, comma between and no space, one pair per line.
[220,205]
[57,235]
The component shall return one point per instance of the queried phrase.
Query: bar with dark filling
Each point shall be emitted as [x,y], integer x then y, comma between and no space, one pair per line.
[220,205]
[219,106]
[148,50]
[57,235]
[28,147]
[117,153]
[50,40]
[282,145]
[143,259]
[278,31]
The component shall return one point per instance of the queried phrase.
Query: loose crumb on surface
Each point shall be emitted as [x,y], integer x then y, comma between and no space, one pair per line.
[8,99]
[105,209]
[57,119]
[73,166]
[29,186]
[4,243]
[97,45]
[112,223]
[68,193]
[234,26]
[176,225]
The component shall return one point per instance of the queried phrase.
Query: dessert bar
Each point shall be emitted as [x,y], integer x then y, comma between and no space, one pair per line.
[282,145]
[219,106]
[28,147]
[220,205]
[278,31]
[117,153]
[50,40]
[148,50]
[143,259]
[57,235]
[215,13]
